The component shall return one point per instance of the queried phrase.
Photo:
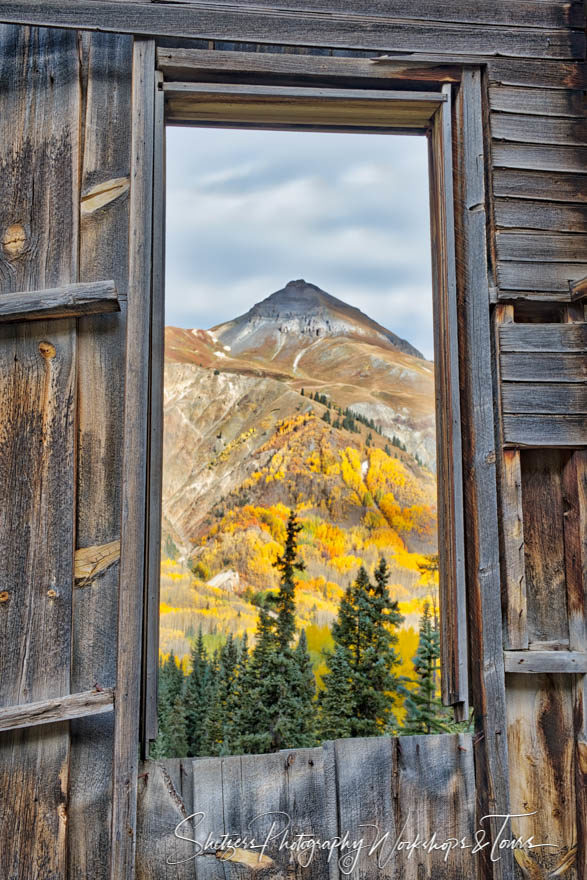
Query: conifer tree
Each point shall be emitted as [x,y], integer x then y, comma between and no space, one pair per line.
[196,697]
[335,700]
[424,710]
[364,633]
[175,730]
[288,564]
[305,692]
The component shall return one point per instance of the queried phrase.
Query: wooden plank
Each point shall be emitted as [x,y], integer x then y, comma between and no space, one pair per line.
[161,854]
[530,14]
[527,397]
[540,732]
[539,431]
[542,247]
[39,153]
[202,64]
[154,484]
[537,74]
[365,771]
[543,367]
[58,709]
[132,562]
[534,214]
[543,508]
[574,488]
[543,338]
[434,793]
[573,662]
[479,471]
[270,105]
[72,300]
[539,157]
[537,102]
[107,64]
[448,417]
[578,290]
[541,277]
[541,185]
[319,29]
[528,129]
[516,635]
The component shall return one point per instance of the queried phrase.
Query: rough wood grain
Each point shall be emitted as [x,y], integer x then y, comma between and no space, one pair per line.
[134,468]
[534,214]
[107,61]
[540,277]
[537,102]
[155,475]
[542,505]
[479,471]
[72,300]
[39,158]
[574,488]
[540,733]
[201,65]
[528,129]
[318,29]
[516,634]
[542,247]
[543,366]
[527,397]
[537,74]
[160,809]
[542,185]
[455,689]
[526,13]
[434,792]
[578,290]
[540,431]
[542,338]
[58,709]
[571,662]
[539,157]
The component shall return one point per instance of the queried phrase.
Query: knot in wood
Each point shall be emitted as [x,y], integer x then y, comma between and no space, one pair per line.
[14,240]
[4,596]
[47,350]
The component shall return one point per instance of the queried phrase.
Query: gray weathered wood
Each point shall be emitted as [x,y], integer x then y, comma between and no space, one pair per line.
[160,853]
[455,688]
[543,509]
[134,469]
[483,563]
[107,61]
[541,277]
[320,29]
[72,300]
[537,74]
[551,398]
[534,214]
[434,793]
[57,709]
[542,338]
[532,14]
[541,431]
[201,64]
[537,102]
[154,486]
[542,185]
[39,150]
[539,157]
[538,129]
[529,366]
[546,661]
[578,289]
[542,247]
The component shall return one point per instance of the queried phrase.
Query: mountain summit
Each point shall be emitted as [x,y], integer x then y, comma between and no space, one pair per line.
[303,310]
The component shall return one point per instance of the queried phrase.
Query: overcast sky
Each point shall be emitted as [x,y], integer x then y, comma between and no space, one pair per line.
[248,211]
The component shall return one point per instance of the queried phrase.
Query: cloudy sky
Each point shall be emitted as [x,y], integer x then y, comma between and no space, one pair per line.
[248,211]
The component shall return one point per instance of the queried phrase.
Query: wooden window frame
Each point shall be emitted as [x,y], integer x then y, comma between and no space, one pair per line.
[316,107]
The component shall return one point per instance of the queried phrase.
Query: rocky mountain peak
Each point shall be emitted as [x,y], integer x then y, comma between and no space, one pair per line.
[304,310]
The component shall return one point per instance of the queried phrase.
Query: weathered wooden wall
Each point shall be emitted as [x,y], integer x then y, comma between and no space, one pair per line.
[64,216]
[367,787]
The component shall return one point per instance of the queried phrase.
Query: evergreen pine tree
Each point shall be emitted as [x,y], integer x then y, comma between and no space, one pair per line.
[335,700]
[424,710]
[196,697]
[175,730]
[364,636]
[288,564]
[305,692]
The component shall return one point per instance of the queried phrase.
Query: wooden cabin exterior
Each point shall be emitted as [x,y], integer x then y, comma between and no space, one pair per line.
[85,89]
